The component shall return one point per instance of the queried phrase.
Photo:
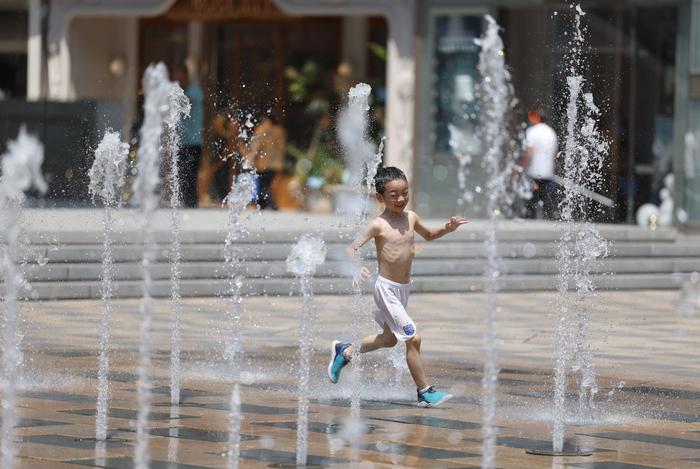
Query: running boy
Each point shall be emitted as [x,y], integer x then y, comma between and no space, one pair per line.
[393,233]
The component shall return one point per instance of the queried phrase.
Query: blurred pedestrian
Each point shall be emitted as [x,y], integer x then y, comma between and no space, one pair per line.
[538,163]
[191,138]
[268,148]
[222,154]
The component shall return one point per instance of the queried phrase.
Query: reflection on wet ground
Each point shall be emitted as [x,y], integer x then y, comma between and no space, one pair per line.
[649,387]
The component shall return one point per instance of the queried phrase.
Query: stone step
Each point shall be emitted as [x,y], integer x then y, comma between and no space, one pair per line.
[328,286]
[84,226]
[331,269]
[511,232]
[92,253]
[65,254]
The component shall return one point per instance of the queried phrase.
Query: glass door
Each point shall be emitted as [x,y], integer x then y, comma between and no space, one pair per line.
[448,101]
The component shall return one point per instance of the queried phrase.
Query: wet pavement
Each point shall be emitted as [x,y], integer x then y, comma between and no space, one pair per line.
[646,351]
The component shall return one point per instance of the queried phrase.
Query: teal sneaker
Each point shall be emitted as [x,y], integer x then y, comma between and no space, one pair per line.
[338,360]
[432,398]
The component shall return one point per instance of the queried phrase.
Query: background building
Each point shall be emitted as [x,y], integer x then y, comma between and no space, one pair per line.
[70,64]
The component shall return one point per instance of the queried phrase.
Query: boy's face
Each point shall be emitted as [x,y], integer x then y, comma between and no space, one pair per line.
[395,196]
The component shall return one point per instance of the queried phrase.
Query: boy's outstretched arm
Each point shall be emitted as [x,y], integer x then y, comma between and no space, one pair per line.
[430,234]
[370,232]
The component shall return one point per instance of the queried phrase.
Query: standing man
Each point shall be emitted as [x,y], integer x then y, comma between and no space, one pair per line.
[538,163]
[191,143]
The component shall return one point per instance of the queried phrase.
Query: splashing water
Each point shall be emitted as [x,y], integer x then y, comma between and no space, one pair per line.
[464,144]
[497,105]
[106,182]
[21,170]
[157,92]
[690,295]
[173,434]
[238,198]
[361,161]
[234,427]
[352,132]
[580,245]
[398,361]
[179,108]
[306,256]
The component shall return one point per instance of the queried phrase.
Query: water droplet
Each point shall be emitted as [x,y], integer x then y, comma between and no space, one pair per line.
[529,250]
[440,172]
[682,215]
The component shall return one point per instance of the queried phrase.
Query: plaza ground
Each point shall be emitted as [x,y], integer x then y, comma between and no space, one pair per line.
[645,355]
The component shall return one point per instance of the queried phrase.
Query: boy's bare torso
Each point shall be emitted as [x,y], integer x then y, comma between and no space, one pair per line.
[395,245]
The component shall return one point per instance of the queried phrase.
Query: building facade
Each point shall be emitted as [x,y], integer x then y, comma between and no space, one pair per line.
[643,66]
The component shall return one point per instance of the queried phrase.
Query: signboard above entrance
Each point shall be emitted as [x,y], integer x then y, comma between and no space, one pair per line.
[217,10]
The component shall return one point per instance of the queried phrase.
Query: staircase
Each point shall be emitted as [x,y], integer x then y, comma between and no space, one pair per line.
[66,248]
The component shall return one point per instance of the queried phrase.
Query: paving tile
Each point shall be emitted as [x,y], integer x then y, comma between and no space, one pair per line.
[431,422]
[245,408]
[316,427]
[69,442]
[127,463]
[373,405]
[664,392]
[31,423]
[70,353]
[197,434]
[128,414]
[418,451]
[648,392]
[673,416]
[284,457]
[59,396]
[610,465]
[186,393]
[645,438]
[540,445]
[117,376]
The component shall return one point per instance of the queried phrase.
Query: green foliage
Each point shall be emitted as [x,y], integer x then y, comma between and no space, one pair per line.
[321,160]
[377,50]
[308,87]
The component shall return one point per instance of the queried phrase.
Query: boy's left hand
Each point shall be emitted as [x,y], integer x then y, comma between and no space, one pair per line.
[455,222]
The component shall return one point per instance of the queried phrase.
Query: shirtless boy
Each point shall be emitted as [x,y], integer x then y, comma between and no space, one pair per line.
[392,232]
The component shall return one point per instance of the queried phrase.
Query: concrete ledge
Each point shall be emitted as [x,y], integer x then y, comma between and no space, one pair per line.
[76,226]
[341,286]
[266,269]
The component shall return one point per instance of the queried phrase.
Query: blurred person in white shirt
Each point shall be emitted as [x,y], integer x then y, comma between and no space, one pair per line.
[538,163]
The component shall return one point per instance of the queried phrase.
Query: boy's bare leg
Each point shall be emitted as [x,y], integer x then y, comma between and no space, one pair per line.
[415,362]
[373,342]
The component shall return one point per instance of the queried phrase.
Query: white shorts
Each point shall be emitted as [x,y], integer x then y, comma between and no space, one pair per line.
[391,299]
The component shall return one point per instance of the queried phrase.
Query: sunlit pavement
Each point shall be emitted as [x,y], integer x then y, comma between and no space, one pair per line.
[645,348]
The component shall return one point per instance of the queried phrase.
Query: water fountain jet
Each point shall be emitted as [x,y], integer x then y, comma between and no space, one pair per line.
[179,107]
[361,161]
[502,189]
[21,171]
[106,182]
[306,256]
[579,249]
[238,198]
[157,93]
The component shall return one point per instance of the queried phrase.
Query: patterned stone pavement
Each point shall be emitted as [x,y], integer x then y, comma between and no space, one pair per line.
[646,359]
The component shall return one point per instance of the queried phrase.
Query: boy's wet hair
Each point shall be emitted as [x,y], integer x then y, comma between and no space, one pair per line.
[387,174]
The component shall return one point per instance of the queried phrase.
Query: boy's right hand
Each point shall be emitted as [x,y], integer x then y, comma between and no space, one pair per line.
[360,277]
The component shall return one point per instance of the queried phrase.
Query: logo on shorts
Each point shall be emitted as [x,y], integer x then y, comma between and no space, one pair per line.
[408,329]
